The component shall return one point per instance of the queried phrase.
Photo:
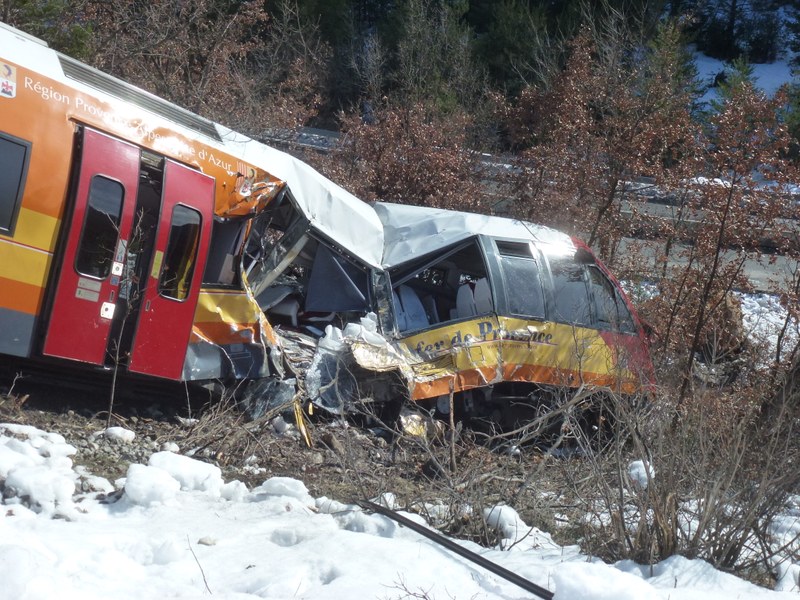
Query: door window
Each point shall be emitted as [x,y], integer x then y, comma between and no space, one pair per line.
[100,228]
[181,254]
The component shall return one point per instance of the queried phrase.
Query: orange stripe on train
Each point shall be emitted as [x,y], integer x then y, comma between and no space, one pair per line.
[19,296]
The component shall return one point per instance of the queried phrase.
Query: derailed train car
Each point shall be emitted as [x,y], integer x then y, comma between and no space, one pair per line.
[497,316]
[137,236]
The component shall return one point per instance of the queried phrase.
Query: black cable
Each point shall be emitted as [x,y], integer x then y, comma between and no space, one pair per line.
[525,584]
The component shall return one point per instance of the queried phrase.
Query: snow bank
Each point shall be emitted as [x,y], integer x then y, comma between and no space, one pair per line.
[179,532]
[120,434]
[290,489]
[147,485]
[598,581]
[36,470]
[190,473]
[516,534]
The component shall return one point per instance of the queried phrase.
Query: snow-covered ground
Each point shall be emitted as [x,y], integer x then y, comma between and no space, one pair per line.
[768,77]
[174,529]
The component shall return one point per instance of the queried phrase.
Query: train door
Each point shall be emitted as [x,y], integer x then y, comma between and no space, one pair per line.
[132,261]
[95,249]
[169,297]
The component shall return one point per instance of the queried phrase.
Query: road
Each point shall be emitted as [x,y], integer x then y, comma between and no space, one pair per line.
[766,272]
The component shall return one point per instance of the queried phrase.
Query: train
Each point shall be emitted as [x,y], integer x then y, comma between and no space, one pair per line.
[138,237]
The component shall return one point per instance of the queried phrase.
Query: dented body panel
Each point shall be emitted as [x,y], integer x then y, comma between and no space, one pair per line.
[142,299]
[482,301]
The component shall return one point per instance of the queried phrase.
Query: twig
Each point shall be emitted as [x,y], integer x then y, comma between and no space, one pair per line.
[199,566]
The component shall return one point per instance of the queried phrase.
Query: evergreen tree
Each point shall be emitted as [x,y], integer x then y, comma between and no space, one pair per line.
[434,56]
[60,23]
[516,46]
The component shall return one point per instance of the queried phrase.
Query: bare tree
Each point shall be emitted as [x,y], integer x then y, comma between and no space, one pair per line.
[223,59]
[408,156]
[618,111]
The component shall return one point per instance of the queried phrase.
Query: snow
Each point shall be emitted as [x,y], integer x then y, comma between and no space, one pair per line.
[120,434]
[572,581]
[174,528]
[641,474]
[768,77]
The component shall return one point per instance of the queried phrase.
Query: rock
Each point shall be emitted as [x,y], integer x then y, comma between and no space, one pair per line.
[332,443]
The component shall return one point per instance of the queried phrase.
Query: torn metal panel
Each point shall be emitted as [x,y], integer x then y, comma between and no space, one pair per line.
[231,338]
[335,379]
[262,397]
[332,211]
[251,191]
[487,351]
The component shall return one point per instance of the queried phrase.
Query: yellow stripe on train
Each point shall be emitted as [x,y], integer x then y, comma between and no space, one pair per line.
[24,264]
[492,343]
[225,306]
[36,229]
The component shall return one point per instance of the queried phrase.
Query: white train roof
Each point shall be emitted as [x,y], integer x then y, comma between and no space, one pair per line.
[384,235]
[412,231]
[331,209]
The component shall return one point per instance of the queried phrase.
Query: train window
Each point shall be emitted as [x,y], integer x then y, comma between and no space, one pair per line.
[14,156]
[100,228]
[610,310]
[522,280]
[570,293]
[441,287]
[180,258]
[336,284]
[226,241]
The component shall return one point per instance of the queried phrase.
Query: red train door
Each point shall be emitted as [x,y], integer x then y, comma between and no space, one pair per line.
[173,282]
[92,262]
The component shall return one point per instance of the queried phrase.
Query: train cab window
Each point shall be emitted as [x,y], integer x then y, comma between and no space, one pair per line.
[100,228]
[571,299]
[445,286]
[180,257]
[14,155]
[522,280]
[609,308]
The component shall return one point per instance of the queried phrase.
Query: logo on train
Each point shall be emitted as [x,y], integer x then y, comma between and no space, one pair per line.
[8,81]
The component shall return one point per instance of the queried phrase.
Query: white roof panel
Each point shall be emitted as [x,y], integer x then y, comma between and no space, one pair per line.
[332,210]
[413,231]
